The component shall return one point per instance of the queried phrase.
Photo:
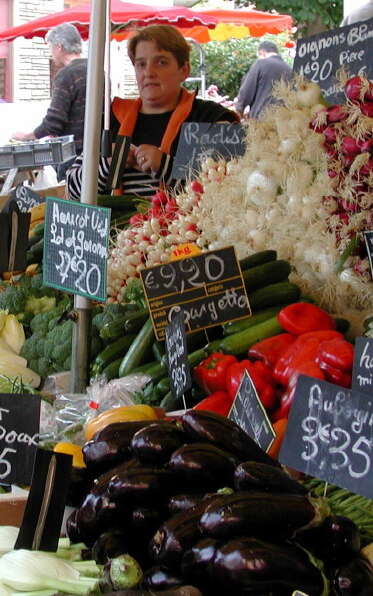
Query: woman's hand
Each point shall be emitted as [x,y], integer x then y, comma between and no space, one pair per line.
[148,158]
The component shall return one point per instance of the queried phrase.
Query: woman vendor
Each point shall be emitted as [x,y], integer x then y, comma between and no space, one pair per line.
[147,128]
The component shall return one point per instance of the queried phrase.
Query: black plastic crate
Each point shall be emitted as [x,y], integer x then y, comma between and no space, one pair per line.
[37,153]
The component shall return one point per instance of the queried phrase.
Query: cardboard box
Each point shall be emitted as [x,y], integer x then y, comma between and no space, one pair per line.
[12,508]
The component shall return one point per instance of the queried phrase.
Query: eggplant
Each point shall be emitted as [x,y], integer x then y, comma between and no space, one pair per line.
[183,502]
[80,483]
[141,486]
[155,443]
[111,445]
[201,425]
[354,579]
[179,591]
[160,578]
[109,545]
[251,475]
[196,562]
[144,521]
[335,541]
[203,465]
[251,566]
[73,530]
[260,515]
[178,534]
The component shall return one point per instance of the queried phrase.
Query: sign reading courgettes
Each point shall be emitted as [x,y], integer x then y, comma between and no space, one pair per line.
[76,248]
[208,288]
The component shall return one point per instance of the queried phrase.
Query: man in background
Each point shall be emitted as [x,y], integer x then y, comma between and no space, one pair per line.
[65,115]
[360,14]
[255,92]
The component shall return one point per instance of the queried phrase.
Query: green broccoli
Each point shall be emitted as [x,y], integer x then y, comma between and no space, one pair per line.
[27,298]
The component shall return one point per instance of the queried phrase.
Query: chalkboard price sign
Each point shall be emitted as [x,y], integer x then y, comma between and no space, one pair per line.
[202,139]
[19,428]
[362,374]
[248,412]
[208,288]
[76,247]
[319,57]
[177,356]
[25,198]
[368,237]
[329,435]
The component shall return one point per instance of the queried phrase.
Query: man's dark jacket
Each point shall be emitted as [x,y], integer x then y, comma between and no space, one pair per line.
[256,86]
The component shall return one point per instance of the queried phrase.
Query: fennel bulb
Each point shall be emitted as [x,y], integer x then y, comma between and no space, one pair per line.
[26,571]
[8,537]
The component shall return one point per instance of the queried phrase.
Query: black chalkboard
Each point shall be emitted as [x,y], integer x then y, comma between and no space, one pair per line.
[368,237]
[14,227]
[362,373]
[208,288]
[76,248]
[248,412]
[25,198]
[200,139]
[319,57]
[177,356]
[329,435]
[19,428]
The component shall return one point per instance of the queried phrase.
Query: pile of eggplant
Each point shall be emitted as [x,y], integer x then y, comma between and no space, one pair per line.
[199,504]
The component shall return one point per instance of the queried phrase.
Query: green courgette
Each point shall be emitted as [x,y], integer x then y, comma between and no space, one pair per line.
[128,322]
[258,317]
[258,258]
[170,403]
[38,230]
[111,371]
[238,343]
[267,273]
[163,385]
[112,352]
[135,321]
[158,349]
[282,292]
[139,347]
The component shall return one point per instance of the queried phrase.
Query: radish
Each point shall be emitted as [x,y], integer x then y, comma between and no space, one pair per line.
[196,186]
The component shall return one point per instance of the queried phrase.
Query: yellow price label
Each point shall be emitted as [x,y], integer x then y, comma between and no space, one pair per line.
[185,250]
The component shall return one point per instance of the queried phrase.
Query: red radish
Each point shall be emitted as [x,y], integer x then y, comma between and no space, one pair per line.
[191,227]
[336,113]
[367,108]
[137,219]
[354,89]
[196,186]
[350,146]
[330,134]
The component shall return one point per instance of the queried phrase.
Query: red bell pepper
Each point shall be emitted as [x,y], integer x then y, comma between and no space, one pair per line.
[336,352]
[336,375]
[210,374]
[302,317]
[303,349]
[270,349]
[309,368]
[219,402]
[261,376]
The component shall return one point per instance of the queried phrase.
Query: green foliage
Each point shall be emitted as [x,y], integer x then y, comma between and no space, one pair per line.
[228,61]
[329,12]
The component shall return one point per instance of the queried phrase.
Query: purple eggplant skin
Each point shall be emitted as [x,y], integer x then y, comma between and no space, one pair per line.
[109,545]
[196,562]
[353,579]
[160,578]
[111,445]
[73,531]
[335,541]
[141,486]
[203,466]
[258,514]
[251,475]
[179,591]
[201,425]
[178,534]
[155,443]
[250,566]
[183,502]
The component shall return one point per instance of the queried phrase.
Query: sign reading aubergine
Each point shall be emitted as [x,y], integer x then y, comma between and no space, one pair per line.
[203,139]
[76,248]
[330,435]
[208,288]
[319,57]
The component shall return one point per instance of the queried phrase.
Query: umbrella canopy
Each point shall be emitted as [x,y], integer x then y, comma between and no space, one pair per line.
[123,15]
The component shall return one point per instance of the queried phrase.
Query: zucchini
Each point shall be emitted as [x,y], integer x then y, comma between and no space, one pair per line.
[158,349]
[258,258]
[112,352]
[282,292]
[135,321]
[158,370]
[138,348]
[258,317]
[38,230]
[122,203]
[35,252]
[164,385]
[111,371]
[170,403]
[238,343]
[262,275]
[124,323]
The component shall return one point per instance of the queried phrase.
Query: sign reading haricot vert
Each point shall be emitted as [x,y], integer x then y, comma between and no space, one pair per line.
[330,435]
[319,57]
[19,436]
[76,248]
[208,288]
